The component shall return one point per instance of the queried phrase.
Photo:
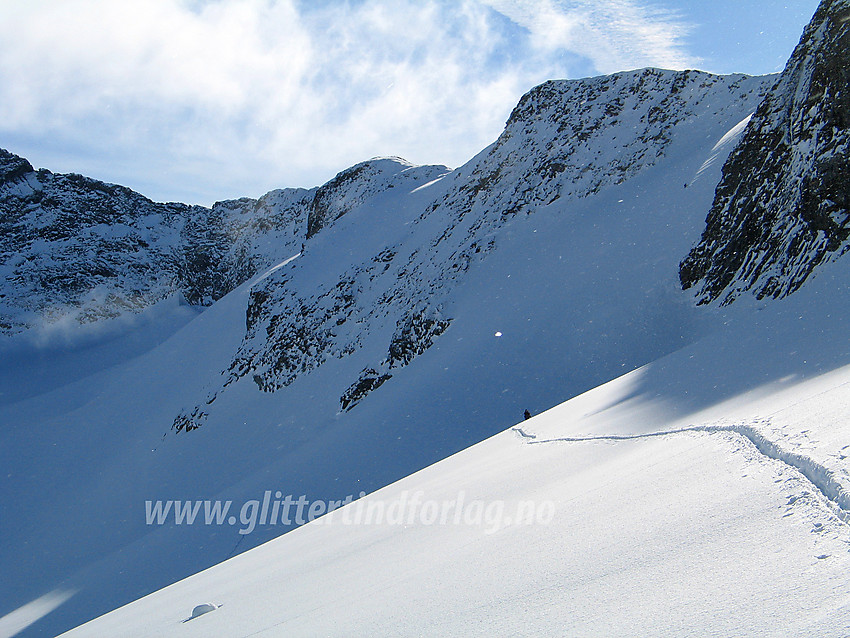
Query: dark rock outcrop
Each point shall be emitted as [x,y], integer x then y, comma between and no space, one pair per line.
[71,246]
[782,207]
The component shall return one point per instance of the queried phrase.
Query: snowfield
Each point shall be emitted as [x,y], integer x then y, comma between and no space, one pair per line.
[685,470]
[426,264]
[705,494]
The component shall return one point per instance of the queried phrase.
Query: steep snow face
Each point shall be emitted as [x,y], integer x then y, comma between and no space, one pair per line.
[783,205]
[77,249]
[391,294]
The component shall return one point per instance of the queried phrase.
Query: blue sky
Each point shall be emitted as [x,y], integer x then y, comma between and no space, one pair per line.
[201,100]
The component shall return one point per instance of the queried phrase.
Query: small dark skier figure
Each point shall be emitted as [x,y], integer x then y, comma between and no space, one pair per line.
[527,415]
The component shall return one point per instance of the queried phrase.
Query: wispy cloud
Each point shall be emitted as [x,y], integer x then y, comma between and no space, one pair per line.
[211,98]
[615,34]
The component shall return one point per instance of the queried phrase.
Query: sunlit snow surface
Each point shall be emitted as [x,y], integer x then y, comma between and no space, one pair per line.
[692,533]
[698,531]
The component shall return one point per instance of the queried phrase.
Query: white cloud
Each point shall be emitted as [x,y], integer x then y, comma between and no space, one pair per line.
[215,98]
[616,34]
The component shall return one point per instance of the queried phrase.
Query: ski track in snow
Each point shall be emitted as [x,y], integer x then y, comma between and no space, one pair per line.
[822,478]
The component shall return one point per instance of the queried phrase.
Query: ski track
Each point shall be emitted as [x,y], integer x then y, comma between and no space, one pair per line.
[822,478]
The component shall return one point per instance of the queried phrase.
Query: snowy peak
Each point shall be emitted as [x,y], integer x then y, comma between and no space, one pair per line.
[350,188]
[385,298]
[783,205]
[12,167]
[569,139]
[72,245]
[589,133]
[78,249]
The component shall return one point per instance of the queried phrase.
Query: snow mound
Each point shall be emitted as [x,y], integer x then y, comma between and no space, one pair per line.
[202,609]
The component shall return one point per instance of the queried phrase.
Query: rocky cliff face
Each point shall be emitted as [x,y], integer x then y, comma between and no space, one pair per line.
[74,247]
[570,138]
[395,239]
[783,205]
[388,297]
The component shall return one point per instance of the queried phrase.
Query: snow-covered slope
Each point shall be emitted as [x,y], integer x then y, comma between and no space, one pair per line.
[398,315]
[374,353]
[707,493]
[385,285]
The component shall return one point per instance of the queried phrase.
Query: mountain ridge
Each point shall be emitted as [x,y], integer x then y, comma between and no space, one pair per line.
[537,161]
[425,311]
